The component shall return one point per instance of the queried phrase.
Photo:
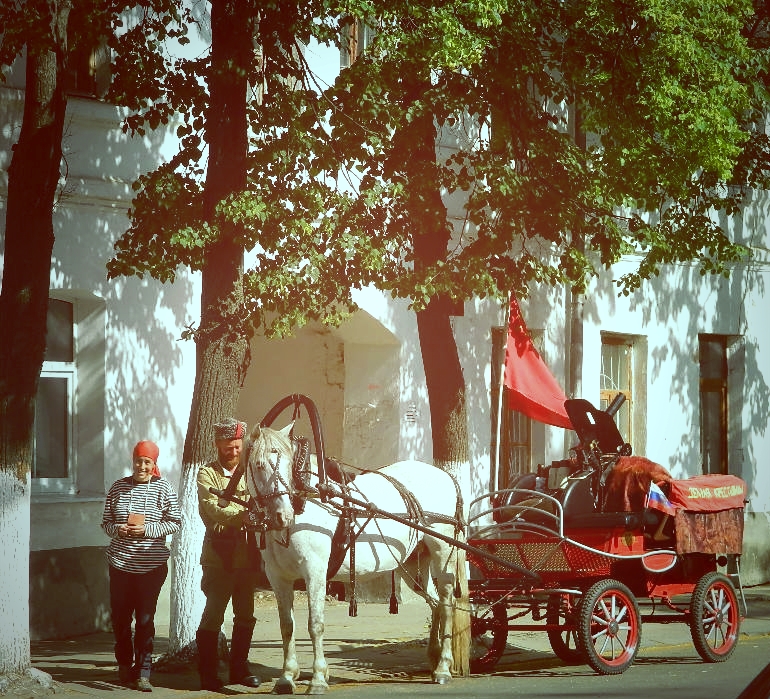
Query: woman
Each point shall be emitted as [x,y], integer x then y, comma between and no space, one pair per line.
[141,510]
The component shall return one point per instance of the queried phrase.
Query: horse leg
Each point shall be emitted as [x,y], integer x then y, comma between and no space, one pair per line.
[316,598]
[443,576]
[284,595]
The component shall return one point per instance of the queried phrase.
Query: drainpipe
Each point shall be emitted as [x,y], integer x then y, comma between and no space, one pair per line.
[577,301]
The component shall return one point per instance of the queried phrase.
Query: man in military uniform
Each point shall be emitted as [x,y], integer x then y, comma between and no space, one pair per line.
[230,560]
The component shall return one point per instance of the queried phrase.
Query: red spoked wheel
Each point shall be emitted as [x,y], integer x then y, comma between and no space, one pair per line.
[609,627]
[715,619]
[489,636]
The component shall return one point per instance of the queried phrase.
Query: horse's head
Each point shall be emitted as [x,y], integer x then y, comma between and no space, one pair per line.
[268,461]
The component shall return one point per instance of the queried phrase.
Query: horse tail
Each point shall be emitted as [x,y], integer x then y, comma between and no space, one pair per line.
[461,616]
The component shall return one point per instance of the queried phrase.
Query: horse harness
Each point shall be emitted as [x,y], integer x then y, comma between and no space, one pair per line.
[348,529]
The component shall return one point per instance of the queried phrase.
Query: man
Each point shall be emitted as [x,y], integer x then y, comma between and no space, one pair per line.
[230,560]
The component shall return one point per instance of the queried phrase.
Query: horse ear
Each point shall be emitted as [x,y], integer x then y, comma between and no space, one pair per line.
[286,431]
[250,439]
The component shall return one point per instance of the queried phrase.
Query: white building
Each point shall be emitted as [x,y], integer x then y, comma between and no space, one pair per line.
[687,349]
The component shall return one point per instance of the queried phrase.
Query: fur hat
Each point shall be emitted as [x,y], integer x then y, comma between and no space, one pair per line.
[230,428]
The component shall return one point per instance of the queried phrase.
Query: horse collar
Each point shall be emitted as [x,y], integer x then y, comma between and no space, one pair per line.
[300,473]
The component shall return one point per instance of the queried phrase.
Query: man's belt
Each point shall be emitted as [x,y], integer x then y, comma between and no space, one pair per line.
[225,532]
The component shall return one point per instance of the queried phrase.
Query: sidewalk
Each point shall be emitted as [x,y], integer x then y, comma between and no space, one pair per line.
[374,646]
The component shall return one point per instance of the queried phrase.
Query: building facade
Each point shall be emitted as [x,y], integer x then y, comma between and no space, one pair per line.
[686,350]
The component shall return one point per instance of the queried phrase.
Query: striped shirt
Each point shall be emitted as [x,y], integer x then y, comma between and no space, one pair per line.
[159,504]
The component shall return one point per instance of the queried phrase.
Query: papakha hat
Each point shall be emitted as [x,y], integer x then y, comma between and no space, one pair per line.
[230,428]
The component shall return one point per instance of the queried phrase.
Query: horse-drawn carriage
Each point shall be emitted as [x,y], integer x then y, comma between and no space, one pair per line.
[571,547]
[598,540]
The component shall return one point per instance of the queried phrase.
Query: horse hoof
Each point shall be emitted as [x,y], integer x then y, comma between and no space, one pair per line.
[441,679]
[316,689]
[283,686]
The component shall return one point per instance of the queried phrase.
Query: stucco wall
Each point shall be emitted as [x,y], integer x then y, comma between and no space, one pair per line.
[68,592]
[310,363]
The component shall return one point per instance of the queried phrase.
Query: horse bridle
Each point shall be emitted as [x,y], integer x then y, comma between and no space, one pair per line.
[300,476]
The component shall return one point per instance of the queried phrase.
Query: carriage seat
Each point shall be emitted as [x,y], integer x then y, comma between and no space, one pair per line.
[580,510]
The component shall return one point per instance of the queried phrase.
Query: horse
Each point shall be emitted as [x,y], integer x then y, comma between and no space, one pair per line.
[299,526]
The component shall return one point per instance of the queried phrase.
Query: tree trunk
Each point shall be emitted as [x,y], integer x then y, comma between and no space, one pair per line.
[33,178]
[446,387]
[221,353]
[449,423]
[438,346]
[443,373]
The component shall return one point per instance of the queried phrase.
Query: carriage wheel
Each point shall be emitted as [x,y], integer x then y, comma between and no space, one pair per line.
[609,628]
[489,632]
[714,617]
[560,610]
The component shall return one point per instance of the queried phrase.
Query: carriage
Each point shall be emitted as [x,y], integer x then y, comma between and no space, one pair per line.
[604,542]
[572,548]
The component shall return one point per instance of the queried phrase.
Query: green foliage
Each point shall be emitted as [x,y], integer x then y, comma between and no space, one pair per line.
[666,91]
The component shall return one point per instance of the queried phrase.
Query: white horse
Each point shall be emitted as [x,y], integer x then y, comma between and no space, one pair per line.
[300,529]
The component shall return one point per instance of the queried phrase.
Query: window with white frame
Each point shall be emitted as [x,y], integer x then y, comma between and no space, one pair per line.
[617,376]
[356,37]
[69,406]
[52,463]
[89,63]
[89,71]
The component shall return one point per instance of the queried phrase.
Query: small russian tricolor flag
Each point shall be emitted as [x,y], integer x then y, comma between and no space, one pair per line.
[656,500]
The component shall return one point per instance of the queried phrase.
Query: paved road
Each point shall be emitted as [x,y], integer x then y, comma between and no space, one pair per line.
[672,672]
[383,654]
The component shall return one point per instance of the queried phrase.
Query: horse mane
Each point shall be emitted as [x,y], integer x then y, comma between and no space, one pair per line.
[266,439]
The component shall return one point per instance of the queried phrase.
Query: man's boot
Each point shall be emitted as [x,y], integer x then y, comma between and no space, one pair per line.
[239,656]
[208,659]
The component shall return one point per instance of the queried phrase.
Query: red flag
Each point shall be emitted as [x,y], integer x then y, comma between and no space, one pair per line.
[532,389]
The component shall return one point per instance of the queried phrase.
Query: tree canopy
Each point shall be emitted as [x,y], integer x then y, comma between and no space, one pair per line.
[583,130]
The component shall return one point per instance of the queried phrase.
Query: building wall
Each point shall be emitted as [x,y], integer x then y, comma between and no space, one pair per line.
[366,377]
[668,314]
[310,363]
[134,376]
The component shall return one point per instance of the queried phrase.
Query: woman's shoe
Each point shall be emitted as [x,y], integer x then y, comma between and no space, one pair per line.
[143,684]
[125,674]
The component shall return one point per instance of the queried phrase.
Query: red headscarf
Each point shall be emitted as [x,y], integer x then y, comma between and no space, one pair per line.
[151,451]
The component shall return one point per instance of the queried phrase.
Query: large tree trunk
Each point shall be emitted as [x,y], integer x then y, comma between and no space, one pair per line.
[222,355]
[446,389]
[438,346]
[449,423]
[33,178]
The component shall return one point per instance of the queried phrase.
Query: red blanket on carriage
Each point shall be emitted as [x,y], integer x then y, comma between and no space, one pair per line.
[709,493]
[708,509]
[709,513]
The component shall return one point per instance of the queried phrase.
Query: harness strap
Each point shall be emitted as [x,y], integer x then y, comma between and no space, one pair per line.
[340,545]
[413,507]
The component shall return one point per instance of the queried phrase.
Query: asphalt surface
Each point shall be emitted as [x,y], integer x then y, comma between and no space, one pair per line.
[372,647]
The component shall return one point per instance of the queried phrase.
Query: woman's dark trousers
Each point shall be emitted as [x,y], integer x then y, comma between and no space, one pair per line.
[135,595]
